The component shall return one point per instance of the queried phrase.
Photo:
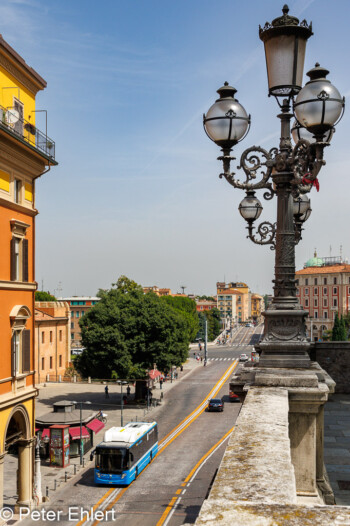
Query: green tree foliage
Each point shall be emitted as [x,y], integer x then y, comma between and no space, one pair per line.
[41,295]
[339,332]
[187,308]
[207,298]
[128,331]
[214,324]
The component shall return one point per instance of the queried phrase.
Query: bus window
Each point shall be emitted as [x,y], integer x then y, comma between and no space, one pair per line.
[111,460]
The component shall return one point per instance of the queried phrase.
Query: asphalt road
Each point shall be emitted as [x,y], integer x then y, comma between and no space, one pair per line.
[171,490]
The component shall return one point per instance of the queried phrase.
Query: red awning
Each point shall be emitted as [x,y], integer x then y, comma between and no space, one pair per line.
[95,425]
[154,373]
[75,432]
[46,433]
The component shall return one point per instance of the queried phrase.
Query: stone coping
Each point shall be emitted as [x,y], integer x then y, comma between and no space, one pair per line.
[255,484]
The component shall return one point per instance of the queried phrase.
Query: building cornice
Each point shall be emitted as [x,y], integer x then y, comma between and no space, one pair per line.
[12,62]
[17,285]
[11,399]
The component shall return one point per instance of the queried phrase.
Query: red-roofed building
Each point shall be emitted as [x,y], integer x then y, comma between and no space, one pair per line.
[323,288]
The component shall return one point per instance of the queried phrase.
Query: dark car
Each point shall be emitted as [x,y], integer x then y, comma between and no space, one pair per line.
[215,404]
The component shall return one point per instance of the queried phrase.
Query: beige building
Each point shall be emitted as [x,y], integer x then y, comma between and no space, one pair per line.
[52,340]
[79,305]
[234,301]
[323,288]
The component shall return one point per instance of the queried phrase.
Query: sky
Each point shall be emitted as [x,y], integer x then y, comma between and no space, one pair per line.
[137,191]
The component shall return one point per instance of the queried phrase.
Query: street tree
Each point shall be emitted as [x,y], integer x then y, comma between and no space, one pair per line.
[188,309]
[41,295]
[128,331]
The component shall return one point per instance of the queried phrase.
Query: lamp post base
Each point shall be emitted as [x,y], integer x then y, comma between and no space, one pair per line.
[284,343]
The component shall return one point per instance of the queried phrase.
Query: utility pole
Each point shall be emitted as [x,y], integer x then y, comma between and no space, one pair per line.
[205,342]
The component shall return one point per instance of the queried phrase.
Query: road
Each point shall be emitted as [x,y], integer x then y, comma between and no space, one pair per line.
[192,441]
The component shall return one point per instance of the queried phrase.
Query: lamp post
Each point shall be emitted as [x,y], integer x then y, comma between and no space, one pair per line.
[286,172]
[121,383]
[81,446]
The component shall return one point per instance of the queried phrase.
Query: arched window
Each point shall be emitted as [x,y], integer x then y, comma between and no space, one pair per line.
[20,341]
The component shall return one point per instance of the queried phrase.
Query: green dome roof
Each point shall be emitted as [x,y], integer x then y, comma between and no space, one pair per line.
[314,262]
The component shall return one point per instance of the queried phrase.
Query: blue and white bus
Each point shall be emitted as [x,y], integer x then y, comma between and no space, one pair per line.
[125,452]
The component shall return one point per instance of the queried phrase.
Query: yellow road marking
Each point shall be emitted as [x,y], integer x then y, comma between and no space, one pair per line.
[114,501]
[173,500]
[102,499]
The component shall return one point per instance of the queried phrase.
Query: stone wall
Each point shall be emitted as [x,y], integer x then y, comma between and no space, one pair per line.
[255,484]
[334,357]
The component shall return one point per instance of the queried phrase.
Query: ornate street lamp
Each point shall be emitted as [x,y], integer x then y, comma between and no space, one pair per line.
[286,172]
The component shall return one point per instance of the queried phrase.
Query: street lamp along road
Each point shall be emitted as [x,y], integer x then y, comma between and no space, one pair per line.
[81,448]
[286,172]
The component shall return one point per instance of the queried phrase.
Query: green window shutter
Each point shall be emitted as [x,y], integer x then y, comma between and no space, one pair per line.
[26,351]
[25,259]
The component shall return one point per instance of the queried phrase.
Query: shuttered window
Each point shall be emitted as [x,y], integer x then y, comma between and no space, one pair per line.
[25,259]
[19,259]
[26,351]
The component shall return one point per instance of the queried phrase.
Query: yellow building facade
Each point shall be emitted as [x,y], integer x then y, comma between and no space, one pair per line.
[238,307]
[25,154]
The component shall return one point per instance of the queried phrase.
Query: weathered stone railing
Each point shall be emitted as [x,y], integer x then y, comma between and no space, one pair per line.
[272,471]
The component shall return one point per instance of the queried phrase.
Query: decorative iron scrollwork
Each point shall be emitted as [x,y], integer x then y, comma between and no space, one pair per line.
[267,233]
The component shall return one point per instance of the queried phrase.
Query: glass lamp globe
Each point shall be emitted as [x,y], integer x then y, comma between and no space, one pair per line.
[319,105]
[226,122]
[250,207]
[301,205]
[306,216]
[299,132]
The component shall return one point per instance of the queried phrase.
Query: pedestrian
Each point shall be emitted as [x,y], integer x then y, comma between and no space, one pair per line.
[128,390]
[106,392]
[181,368]
[161,383]
[124,399]
[201,358]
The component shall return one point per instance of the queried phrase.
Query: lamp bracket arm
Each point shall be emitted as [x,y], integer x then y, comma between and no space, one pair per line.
[307,159]
[254,161]
[267,233]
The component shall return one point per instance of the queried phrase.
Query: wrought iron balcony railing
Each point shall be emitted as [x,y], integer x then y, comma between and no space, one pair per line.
[26,132]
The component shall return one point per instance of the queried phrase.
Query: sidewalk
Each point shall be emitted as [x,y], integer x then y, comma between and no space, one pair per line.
[52,478]
[337,446]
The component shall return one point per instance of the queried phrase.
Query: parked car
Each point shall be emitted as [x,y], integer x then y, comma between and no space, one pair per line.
[249,325]
[233,397]
[243,358]
[215,404]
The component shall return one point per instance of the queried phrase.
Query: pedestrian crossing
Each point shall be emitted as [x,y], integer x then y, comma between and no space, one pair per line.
[221,359]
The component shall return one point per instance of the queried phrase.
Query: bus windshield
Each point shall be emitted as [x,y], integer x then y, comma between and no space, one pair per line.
[111,460]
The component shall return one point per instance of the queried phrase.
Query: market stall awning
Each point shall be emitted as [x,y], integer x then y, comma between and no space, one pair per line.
[95,425]
[154,373]
[45,433]
[75,432]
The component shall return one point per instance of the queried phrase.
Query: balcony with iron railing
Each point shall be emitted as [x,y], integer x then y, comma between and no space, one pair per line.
[26,132]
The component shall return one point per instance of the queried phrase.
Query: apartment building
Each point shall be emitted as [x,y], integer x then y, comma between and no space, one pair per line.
[52,340]
[26,153]
[234,301]
[78,305]
[323,288]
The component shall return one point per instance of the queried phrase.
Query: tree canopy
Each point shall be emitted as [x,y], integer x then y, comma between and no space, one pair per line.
[128,331]
[339,332]
[188,309]
[213,318]
[41,295]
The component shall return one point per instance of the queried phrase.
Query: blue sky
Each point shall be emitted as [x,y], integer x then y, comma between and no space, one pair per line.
[137,191]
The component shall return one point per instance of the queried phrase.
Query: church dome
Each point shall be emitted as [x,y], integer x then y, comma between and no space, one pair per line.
[314,262]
